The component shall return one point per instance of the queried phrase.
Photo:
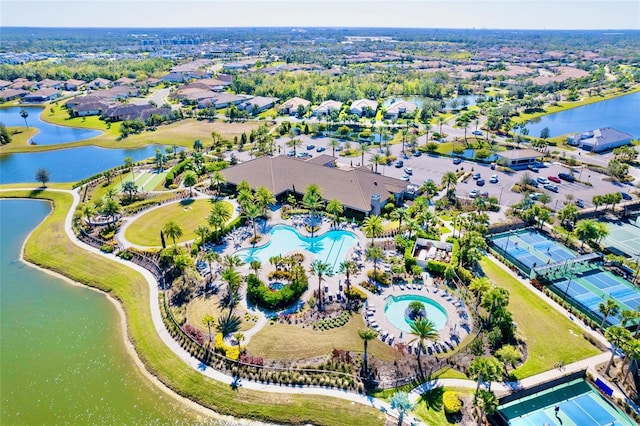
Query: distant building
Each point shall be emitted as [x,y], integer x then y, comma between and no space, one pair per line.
[42,95]
[599,140]
[292,106]
[400,108]
[258,104]
[4,84]
[124,81]
[326,107]
[99,83]
[48,83]
[519,158]
[364,107]
[73,84]
[11,94]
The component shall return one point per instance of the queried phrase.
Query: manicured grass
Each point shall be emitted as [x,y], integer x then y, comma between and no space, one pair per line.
[551,337]
[189,214]
[275,341]
[50,248]
[20,136]
[146,181]
[430,409]
[201,306]
[449,373]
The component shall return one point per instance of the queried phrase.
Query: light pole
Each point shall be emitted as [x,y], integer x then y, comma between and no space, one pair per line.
[500,198]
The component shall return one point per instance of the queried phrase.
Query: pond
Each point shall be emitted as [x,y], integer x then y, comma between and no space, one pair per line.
[68,165]
[471,100]
[48,134]
[620,113]
[64,360]
[469,154]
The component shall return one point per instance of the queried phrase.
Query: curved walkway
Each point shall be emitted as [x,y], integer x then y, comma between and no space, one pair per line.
[589,363]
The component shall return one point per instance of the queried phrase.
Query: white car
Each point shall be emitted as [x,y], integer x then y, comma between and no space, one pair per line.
[473,193]
[493,179]
[405,178]
[408,170]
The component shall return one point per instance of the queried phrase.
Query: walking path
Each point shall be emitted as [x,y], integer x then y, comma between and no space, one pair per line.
[502,387]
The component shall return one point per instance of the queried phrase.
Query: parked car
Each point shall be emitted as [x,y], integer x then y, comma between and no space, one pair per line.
[291,153]
[535,195]
[310,147]
[405,177]
[303,154]
[579,203]
[399,164]
[552,187]
[484,194]
[457,160]
[626,196]
[320,149]
[417,153]
[542,180]
[555,179]
[476,176]
[408,170]
[339,148]
[477,133]
[533,168]
[493,179]
[480,182]
[533,183]
[566,176]
[473,193]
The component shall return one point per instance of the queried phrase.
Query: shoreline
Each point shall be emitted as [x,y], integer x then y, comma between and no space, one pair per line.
[122,325]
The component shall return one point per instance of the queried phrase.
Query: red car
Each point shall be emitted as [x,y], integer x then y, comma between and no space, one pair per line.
[555,179]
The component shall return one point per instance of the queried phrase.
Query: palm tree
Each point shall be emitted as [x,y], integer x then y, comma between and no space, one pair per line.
[239,337]
[618,337]
[313,202]
[219,214]
[294,143]
[424,329]
[495,300]
[480,286]
[202,231]
[88,211]
[232,261]
[244,197]
[233,279]
[252,212]
[183,262]
[487,401]
[586,230]
[24,114]
[608,308]
[172,230]
[372,226]
[366,335]
[228,325]
[320,269]
[110,208]
[364,148]
[509,355]
[485,369]
[376,159]
[128,164]
[189,180]
[264,198]
[217,179]
[374,253]
[399,214]
[628,316]
[210,256]
[333,144]
[633,353]
[348,267]
[256,265]
[441,121]
[209,321]
[449,179]
[335,208]
[399,401]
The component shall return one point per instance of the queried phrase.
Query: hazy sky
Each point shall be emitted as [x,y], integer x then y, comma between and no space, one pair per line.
[514,14]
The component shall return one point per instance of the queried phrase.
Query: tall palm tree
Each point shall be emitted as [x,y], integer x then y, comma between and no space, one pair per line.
[232,261]
[219,215]
[348,267]
[209,321]
[172,230]
[244,197]
[509,355]
[183,262]
[632,351]
[372,226]
[24,114]
[364,148]
[449,180]
[618,337]
[128,164]
[202,231]
[210,256]
[423,329]
[399,214]
[366,335]
[264,198]
[256,265]
[495,300]
[484,369]
[110,208]
[252,213]
[608,308]
[374,253]
[233,279]
[335,208]
[88,211]
[217,179]
[333,144]
[586,230]
[320,269]
[376,159]
[312,202]
[480,286]
[294,143]
[487,401]
[189,180]
[441,121]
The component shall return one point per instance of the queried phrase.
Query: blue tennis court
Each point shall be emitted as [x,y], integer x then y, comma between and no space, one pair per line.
[529,249]
[574,403]
[592,287]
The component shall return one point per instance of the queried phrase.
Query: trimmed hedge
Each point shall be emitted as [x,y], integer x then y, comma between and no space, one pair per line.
[260,294]
[451,402]
[175,171]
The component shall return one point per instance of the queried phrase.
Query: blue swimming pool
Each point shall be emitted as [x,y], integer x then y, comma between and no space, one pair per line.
[396,306]
[330,247]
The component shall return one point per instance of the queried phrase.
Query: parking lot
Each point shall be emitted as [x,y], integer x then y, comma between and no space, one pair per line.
[434,167]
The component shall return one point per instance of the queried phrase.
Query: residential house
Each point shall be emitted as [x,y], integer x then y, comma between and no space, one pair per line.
[99,83]
[11,94]
[42,95]
[223,100]
[173,77]
[326,107]
[149,82]
[73,85]
[358,189]
[214,84]
[364,107]
[23,83]
[258,104]
[48,83]
[124,81]
[118,93]
[121,112]
[399,108]
[292,106]
[599,140]
[4,84]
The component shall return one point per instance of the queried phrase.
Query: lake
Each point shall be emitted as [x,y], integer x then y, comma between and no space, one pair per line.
[49,134]
[63,358]
[620,113]
[471,100]
[68,165]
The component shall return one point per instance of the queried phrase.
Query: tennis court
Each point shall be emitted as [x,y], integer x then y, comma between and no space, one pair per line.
[529,249]
[145,180]
[623,238]
[574,403]
[590,288]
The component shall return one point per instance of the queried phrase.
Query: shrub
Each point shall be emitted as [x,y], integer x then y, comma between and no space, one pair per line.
[451,402]
[194,333]
[355,294]
[230,352]
[380,277]
[107,248]
[260,294]
[125,255]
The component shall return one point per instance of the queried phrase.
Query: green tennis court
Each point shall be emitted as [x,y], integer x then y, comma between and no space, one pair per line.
[574,403]
[623,238]
[145,180]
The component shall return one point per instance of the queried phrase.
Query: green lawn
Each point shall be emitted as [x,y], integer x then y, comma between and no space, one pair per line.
[49,247]
[189,214]
[275,341]
[551,337]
